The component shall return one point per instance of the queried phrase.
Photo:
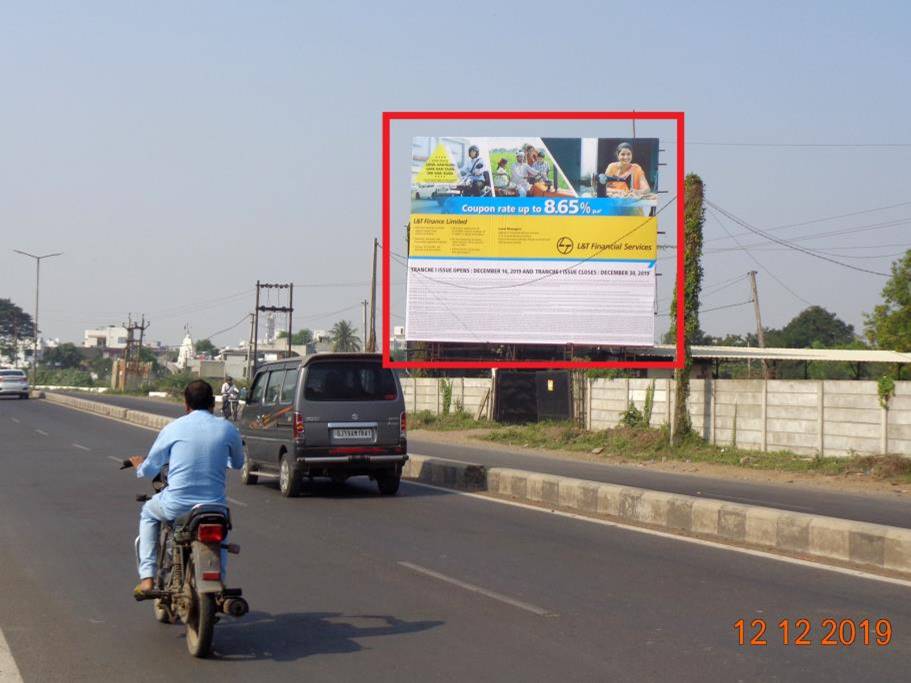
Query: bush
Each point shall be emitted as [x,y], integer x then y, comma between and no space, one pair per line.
[71,377]
[632,416]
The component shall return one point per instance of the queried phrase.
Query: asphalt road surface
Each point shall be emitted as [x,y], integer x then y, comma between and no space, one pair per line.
[429,585]
[877,509]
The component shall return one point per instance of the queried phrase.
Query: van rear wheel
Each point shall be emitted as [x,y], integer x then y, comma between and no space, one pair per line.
[388,483]
[289,481]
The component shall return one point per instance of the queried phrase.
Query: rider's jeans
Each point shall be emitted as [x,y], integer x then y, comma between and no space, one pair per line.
[150,520]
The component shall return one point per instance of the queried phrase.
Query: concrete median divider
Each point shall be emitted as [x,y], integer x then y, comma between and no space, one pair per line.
[107,410]
[826,539]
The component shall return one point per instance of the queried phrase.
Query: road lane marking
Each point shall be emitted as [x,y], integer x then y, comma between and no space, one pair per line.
[237,502]
[15,419]
[9,672]
[117,460]
[528,607]
[41,432]
[81,447]
[856,573]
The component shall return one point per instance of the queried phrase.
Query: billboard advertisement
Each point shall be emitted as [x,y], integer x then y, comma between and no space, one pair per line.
[532,240]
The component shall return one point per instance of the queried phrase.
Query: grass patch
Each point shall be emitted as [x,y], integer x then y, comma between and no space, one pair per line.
[639,444]
[426,419]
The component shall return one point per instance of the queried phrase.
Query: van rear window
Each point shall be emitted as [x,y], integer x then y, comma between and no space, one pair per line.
[349,381]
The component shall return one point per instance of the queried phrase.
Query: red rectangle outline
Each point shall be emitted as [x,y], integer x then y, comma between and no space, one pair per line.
[677,116]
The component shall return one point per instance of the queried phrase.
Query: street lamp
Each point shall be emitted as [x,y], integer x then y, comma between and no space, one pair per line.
[37,285]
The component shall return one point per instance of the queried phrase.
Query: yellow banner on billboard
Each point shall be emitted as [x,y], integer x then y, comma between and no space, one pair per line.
[533,237]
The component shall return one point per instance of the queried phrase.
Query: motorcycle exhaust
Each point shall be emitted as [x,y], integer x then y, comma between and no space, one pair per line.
[236,607]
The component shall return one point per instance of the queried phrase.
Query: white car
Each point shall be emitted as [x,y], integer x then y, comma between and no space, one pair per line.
[13,382]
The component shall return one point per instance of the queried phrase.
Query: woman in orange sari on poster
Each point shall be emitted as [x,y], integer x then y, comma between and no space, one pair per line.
[623,177]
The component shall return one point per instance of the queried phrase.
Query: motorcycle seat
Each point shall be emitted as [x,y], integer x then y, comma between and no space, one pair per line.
[192,519]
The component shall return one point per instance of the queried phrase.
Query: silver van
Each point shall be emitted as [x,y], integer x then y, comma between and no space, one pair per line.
[334,415]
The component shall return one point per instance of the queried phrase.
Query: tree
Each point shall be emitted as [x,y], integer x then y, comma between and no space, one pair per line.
[207,347]
[815,327]
[65,356]
[889,325]
[694,217]
[344,337]
[15,324]
[299,338]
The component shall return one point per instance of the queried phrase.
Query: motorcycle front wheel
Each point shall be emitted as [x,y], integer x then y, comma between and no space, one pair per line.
[201,624]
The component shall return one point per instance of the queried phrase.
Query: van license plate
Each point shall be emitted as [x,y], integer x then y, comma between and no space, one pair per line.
[352,434]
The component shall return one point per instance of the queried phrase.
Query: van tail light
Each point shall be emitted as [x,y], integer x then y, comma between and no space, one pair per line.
[211,576]
[210,533]
[298,426]
[402,425]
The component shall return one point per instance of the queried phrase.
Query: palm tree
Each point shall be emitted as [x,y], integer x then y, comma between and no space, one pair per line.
[344,337]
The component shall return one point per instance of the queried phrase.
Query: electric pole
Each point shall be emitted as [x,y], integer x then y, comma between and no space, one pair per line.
[37,287]
[371,343]
[364,303]
[132,354]
[250,347]
[289,310]
[760,334]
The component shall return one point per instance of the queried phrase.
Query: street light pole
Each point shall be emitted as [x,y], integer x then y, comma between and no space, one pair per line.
[37,288]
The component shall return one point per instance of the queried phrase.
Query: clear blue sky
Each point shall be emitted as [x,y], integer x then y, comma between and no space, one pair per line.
[177,152]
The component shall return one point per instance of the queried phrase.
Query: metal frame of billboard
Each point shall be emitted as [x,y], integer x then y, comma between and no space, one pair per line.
[677,117]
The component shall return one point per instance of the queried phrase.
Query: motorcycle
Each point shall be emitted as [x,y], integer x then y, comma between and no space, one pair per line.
[188,584]
[229,404]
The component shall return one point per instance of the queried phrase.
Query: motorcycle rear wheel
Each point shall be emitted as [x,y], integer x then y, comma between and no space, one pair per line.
[201,624]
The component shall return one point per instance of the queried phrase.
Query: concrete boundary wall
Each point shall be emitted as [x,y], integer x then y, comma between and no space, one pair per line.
[426,393]
[828,539]
[809,417]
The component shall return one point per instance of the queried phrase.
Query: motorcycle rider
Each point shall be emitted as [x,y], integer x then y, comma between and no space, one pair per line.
[474,173]
[198,448]
[229,393]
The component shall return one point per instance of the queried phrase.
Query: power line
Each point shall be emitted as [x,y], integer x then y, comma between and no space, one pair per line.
[799,145]
[228,329]
[316,316]
[711,290]
[833,233]
[757,261]
[716,308]
[761,233]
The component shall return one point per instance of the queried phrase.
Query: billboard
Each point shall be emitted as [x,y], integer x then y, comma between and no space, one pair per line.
[532,240]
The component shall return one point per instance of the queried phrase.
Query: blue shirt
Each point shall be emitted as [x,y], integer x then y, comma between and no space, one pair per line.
[198,448]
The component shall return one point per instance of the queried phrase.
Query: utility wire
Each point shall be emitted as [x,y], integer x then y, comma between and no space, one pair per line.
[757,262]
[799,145]
[841,231]
[809,252]
[715,308]
[228,329]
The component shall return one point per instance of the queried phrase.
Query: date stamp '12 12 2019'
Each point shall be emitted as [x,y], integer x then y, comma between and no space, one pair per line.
[800,632]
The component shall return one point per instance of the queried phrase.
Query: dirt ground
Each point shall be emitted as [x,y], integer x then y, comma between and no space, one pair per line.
[858,484]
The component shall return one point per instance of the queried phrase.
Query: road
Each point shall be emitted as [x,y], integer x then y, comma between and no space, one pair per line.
[430,585]
[877,509]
